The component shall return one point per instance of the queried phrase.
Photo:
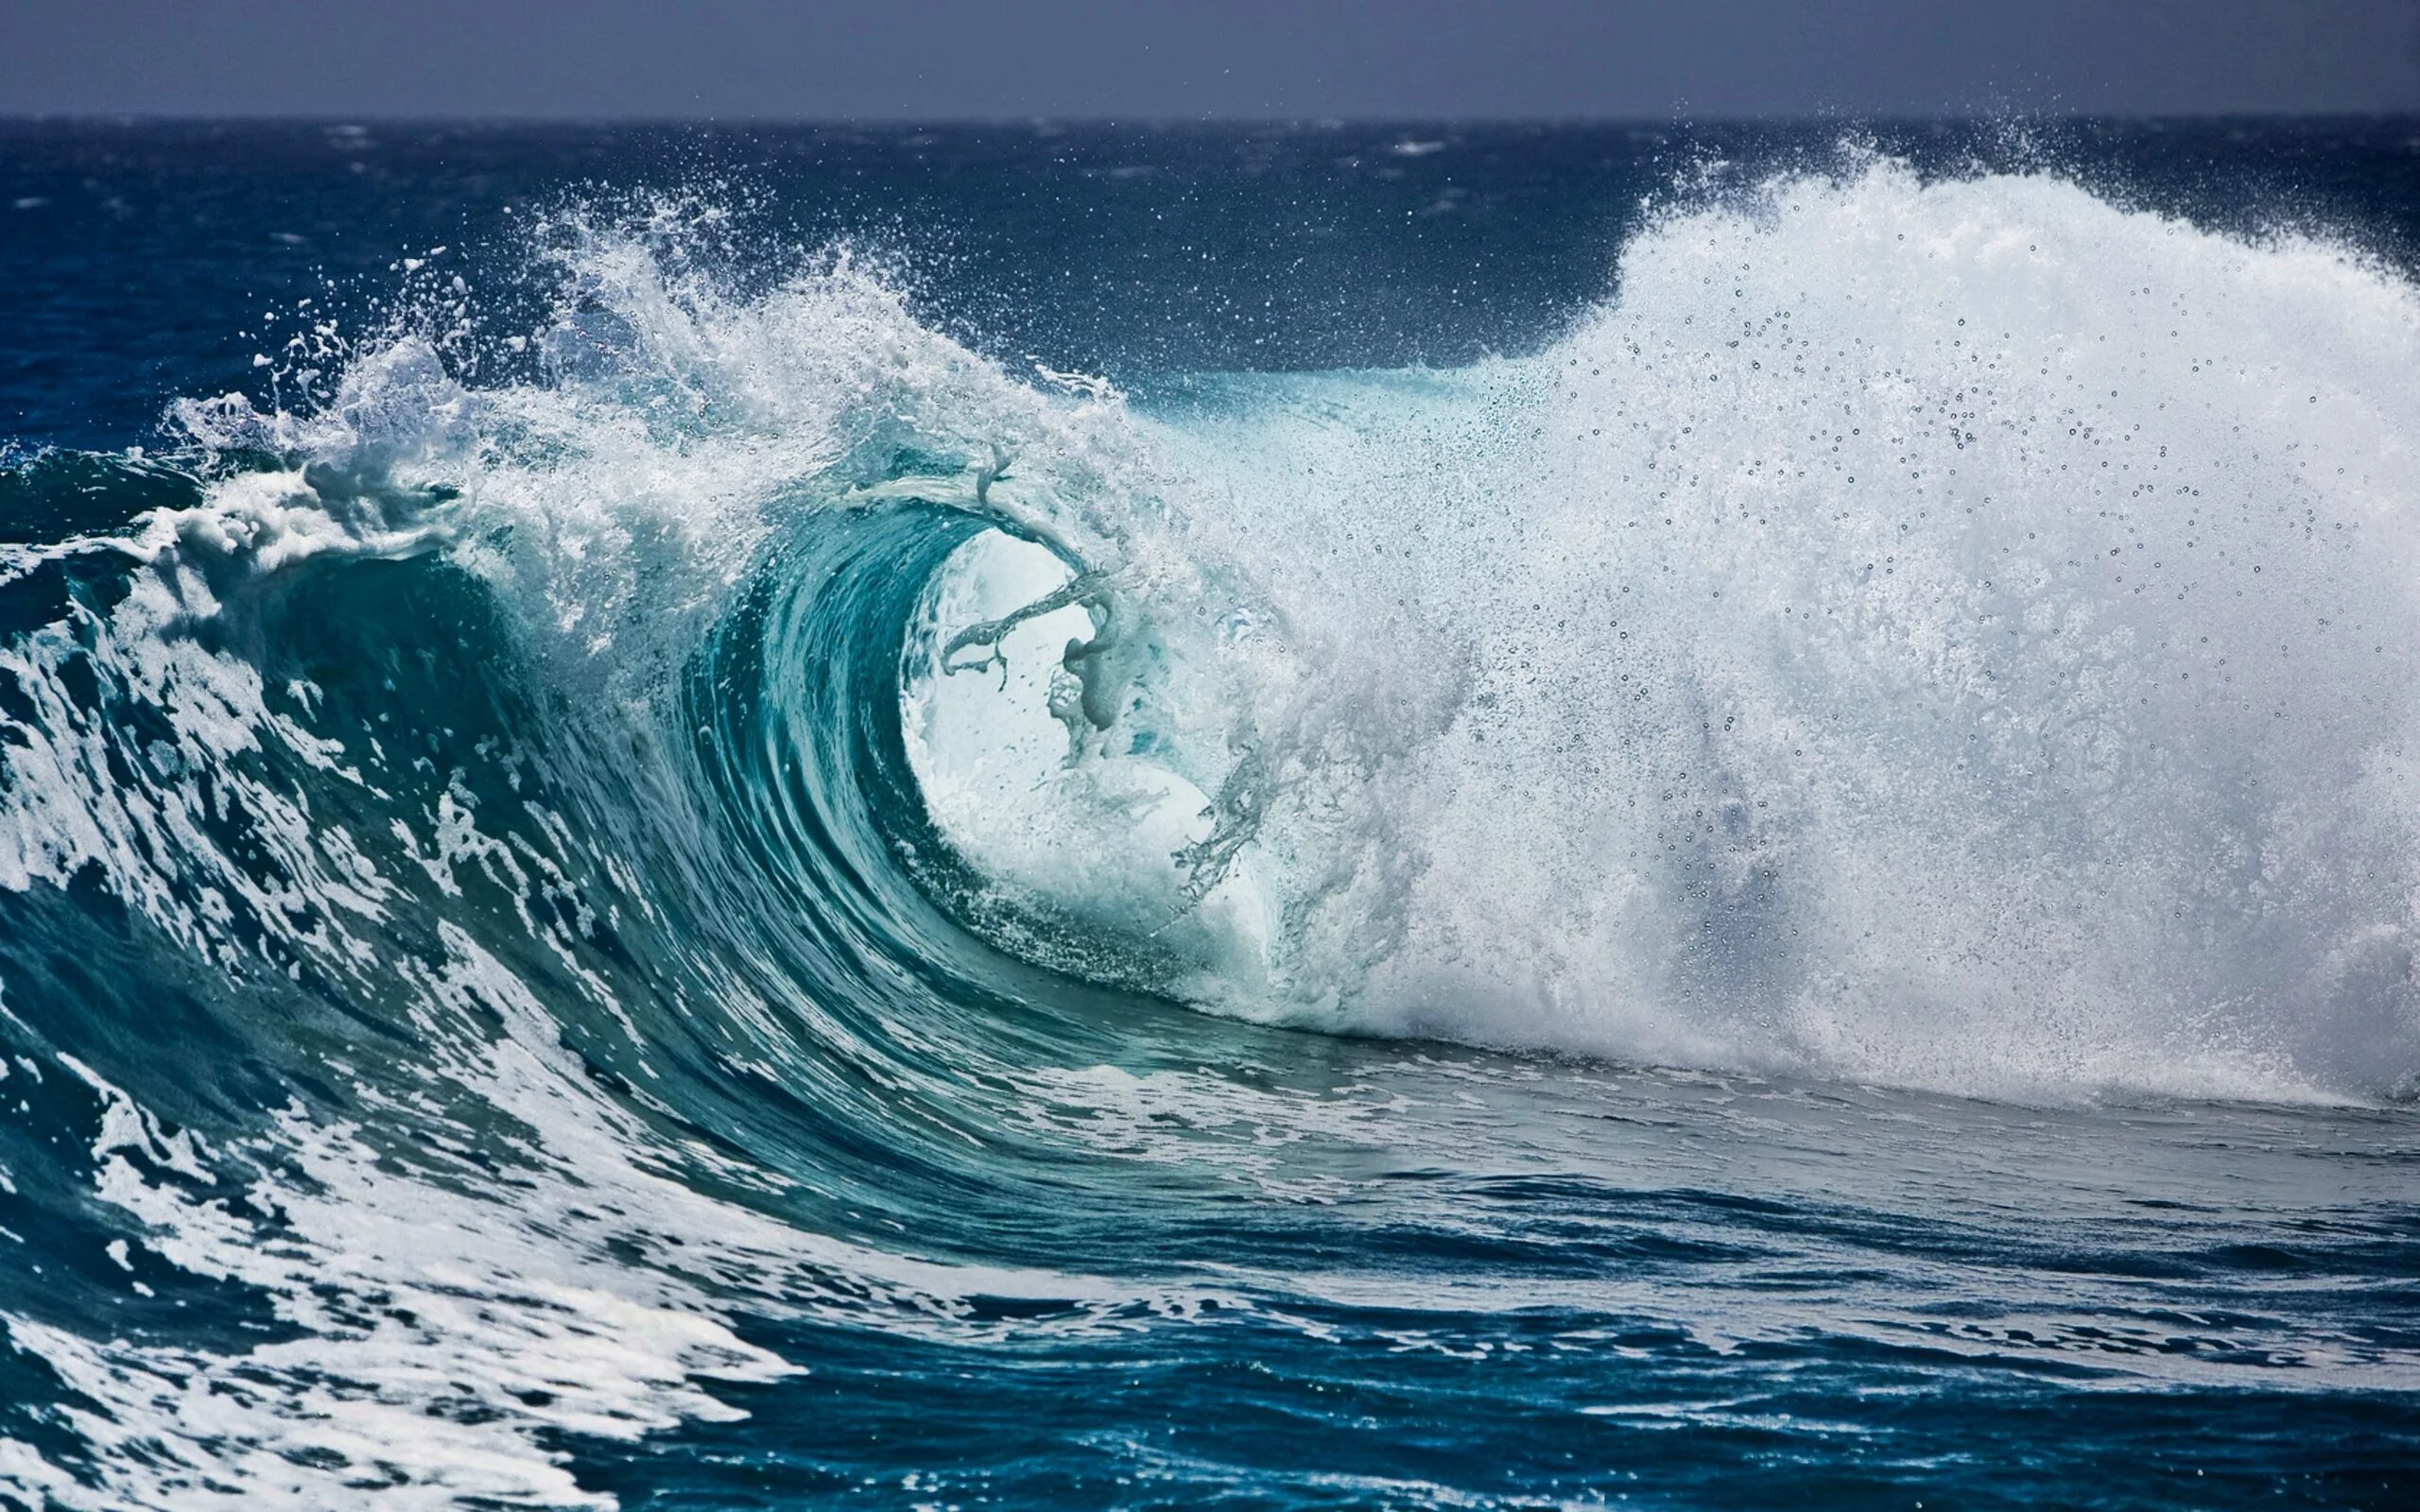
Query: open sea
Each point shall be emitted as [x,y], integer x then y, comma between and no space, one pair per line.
[1245,817]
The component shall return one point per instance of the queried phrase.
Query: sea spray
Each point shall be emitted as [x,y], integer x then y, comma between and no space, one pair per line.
[1939,632]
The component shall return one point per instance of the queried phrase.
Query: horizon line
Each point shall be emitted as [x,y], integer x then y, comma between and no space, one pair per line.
[1842,117]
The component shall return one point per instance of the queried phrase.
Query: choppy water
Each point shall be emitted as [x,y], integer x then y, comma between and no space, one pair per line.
[1271,819]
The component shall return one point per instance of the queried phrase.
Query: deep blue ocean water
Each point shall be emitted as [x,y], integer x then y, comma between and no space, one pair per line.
[1263,817]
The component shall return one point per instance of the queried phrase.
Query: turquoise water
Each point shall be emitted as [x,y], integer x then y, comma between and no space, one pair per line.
[1268,818]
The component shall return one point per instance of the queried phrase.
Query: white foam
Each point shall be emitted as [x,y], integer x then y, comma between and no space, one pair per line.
[1947,633]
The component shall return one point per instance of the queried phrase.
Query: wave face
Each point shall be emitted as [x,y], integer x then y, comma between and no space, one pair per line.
[718,867]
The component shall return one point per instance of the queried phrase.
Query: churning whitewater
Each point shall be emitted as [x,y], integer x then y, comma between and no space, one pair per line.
[1941,635]
[548,865]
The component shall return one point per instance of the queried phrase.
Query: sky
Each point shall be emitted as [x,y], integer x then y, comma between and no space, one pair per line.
[1191,59]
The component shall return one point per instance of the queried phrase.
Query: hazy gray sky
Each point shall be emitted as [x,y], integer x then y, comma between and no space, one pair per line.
[945,60]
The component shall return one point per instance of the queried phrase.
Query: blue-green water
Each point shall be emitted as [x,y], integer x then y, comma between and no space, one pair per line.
[1310,818]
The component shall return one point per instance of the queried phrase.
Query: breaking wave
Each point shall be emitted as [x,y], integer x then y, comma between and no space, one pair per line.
[696,763]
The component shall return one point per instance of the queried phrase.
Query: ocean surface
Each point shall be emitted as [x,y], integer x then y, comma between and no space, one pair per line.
[1703,818]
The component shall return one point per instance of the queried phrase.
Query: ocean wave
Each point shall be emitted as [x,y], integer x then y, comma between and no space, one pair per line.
[1939,633]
